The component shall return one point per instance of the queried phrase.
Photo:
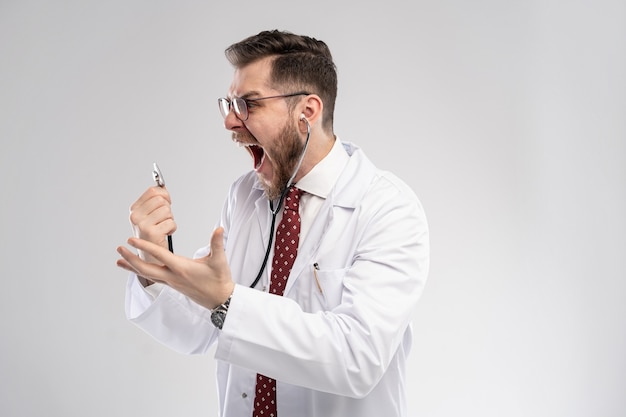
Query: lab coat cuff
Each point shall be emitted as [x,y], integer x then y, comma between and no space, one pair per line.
[138,297]
[236,313]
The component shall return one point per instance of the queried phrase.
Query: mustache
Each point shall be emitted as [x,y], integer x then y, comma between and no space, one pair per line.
[243,137]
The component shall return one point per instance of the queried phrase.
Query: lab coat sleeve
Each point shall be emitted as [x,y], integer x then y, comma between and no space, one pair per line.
[171,318]
[346,350]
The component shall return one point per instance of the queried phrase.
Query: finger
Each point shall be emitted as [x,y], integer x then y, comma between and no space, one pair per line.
[158,223]
[132,263]
[157,191]
[125,265]
[149,195]
[159,208]
[161,254]
[164,220]
[151,211]
[122,263]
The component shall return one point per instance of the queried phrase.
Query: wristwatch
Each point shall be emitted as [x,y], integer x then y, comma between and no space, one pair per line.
[218,316]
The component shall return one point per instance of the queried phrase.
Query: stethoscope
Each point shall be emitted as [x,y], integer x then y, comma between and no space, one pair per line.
[280,201]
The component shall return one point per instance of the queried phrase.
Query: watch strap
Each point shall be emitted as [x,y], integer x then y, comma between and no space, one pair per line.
[218,315]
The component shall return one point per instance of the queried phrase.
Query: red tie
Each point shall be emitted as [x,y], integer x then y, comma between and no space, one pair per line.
[285,251]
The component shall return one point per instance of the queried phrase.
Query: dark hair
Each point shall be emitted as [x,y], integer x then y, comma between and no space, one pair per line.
[301,63]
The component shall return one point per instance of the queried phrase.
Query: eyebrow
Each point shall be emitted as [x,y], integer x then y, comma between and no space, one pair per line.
[249,94]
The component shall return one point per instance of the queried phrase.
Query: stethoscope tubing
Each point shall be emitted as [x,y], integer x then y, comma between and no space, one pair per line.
[280,203]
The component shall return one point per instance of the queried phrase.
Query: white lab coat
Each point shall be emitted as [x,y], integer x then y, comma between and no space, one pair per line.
[337,352]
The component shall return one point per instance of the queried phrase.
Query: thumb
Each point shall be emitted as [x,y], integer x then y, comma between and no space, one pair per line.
[217,242]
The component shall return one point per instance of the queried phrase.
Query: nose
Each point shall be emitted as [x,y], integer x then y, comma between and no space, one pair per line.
[232,122]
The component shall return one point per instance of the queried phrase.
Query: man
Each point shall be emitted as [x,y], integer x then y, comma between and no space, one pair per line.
[312,321]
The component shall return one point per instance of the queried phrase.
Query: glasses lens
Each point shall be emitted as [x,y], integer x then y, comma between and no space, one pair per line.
[224,106]
[241,109]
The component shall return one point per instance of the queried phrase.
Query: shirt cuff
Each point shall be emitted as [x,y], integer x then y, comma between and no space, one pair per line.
[154,290]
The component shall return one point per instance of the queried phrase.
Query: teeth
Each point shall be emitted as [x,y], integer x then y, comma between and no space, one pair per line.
[257,152]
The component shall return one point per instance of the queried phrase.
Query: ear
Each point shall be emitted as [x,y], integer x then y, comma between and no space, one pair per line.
[311,108]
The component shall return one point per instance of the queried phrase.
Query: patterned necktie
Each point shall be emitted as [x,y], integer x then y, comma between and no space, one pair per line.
[285,251]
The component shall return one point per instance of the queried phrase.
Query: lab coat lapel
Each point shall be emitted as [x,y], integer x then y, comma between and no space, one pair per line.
[309,246]
[346,193]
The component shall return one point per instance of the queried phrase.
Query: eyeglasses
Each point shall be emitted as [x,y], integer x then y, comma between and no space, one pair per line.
[241,105]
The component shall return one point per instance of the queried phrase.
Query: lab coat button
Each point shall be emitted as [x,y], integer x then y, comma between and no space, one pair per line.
[244,395]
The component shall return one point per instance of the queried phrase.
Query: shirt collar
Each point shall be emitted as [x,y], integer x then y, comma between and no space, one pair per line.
[322,178]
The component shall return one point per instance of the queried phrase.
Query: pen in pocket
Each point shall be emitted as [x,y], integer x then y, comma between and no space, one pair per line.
[316,267]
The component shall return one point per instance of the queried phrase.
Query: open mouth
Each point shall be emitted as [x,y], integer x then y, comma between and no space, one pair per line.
[257,154]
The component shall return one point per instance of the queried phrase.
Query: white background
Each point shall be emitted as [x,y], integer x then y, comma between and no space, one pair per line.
[506,117]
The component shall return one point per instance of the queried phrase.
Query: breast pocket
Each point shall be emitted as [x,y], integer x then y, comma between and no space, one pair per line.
[329,284]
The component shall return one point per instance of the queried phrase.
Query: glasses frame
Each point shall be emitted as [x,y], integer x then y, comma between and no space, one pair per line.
[240,105]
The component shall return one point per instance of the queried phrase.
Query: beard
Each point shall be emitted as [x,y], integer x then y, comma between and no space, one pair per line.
[286,152]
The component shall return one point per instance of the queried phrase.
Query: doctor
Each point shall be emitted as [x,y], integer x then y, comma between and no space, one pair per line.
[327,332]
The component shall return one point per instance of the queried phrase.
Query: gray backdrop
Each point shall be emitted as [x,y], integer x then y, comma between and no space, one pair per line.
[507,118]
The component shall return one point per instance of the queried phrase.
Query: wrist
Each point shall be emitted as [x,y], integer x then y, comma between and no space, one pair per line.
[222,295]
[145,282]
